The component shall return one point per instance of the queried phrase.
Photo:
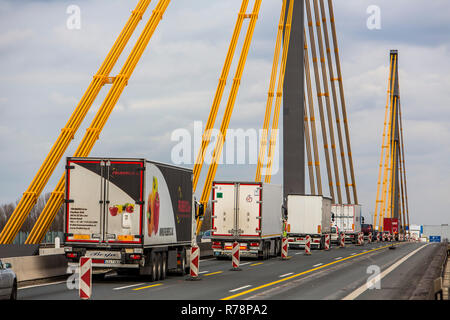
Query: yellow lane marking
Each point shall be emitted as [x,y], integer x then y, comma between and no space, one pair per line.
[212,273]
[146,287]
[302,273]
[256,264]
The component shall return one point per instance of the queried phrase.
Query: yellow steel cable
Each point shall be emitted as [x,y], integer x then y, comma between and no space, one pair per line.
[335,100]
[312,117]
[390,88]
[206,138]
[343,104]
[273,79]
[404,164]
[276,115]
[327,101]
[320,102]
[229,108]
[308,150]
[393,173]
[92,133]
[38,183]
[388,145]
[392,160]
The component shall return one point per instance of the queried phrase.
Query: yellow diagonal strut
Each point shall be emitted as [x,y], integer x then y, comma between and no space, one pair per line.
[206,138]
[97,125]
[34,190]
[276,115]
[270,96]
[229,108]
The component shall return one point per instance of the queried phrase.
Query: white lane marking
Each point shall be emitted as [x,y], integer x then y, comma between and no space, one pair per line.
[203,272]
[241,288]
[337,258]
[42,285]
[285,275]
[130,286]
[353,253]
[243,264]
[317,265]
[299,253]
[369,284]
[208,259]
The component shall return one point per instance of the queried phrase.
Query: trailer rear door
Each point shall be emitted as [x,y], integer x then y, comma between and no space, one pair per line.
[104,201]
[249,206]
[223,209]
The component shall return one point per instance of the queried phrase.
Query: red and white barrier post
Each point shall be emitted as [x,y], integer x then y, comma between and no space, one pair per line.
[284,249]
[308,245]
[195,262]
[359,242]
[236,256]
[342,240]
[378,237]
[327,242]
[85,282]
[369,240]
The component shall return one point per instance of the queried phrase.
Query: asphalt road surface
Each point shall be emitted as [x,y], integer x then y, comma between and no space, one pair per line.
[335,274]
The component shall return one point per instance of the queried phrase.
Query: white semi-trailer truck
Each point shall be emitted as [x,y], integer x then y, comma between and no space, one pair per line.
[308,215]
[131,215]
[348,220]
[249,213]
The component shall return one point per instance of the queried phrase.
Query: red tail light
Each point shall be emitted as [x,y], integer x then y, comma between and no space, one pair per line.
[290,240]
[254,244]
[216,245]
[71,255]
[135,257]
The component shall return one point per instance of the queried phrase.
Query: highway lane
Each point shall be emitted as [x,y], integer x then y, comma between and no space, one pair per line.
[323,275]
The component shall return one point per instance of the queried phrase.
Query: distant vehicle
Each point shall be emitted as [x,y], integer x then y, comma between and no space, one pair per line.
[248,213]
[366,229]
[348,219]
[8,282]
[334,238]
[308,216]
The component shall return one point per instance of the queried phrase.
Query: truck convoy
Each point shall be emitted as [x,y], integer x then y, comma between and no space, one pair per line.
[308,215]
[248,213]
[130,215]
[348,220]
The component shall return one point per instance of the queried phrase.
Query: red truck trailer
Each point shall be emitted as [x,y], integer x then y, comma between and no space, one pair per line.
[391,225]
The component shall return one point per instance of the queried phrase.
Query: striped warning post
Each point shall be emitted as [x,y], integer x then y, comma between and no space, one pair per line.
[284,249]
[327,242]
[389,237]
[236,256]
[369,240]
[361,239]
[378,237]
[342,240]
[384,236]
[195,262]
[308,245]
[85,282]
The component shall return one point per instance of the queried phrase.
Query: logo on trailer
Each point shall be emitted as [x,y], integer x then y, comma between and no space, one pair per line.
[249,198]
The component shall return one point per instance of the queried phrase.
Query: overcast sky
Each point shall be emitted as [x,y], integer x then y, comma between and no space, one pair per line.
[46,68]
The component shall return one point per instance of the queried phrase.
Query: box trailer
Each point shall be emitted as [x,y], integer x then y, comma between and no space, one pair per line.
[308,215]
[391,225]
[131,215]
[249,213]
[348,220]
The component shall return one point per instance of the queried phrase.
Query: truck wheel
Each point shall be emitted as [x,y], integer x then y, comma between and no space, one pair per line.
[14,291]
[164,266]
[182,270]
[154,262]
[158,266]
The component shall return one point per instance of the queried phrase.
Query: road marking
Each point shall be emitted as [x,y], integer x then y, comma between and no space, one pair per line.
[256,264]
[299,274]
[42,285]
[245,263]
[207,259]
[130,286]
[285,275]
[151,286]
[203,272]
[337,258]
[316,265]
[213,273]
[241,288]
[365,286]
[299,253]
[353,253]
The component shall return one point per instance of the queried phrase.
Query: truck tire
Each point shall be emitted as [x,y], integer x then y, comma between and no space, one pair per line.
[14,291]
[164,266]
[158,266]
[182,269]
[154,267]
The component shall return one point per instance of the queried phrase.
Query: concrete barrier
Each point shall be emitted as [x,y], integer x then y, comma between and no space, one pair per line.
[38,267]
